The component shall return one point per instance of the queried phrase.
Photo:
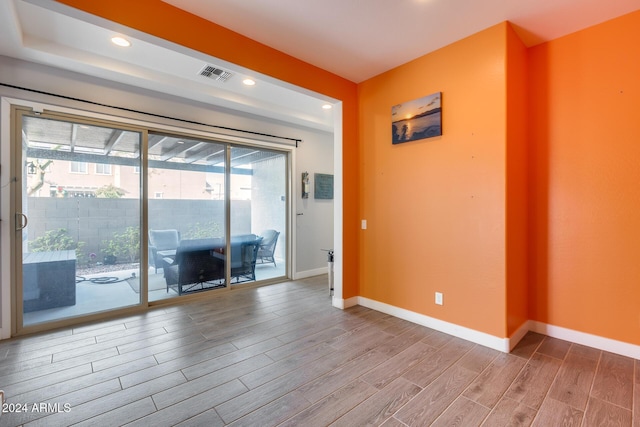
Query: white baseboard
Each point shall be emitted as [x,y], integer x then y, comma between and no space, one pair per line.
[310,273]
[344,303]
[500,344]
[595,341]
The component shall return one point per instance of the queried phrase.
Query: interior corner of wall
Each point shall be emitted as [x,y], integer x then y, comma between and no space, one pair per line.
[517,336]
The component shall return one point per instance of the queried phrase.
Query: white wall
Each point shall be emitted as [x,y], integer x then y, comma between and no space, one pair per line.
[314,225]
[315,153]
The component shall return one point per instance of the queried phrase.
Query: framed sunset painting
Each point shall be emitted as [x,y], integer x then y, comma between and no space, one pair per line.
[417,119]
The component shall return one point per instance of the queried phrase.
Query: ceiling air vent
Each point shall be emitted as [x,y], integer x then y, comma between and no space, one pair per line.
[215,73]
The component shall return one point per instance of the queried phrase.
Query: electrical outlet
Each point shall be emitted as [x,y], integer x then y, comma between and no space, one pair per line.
[363,224]
[439,297]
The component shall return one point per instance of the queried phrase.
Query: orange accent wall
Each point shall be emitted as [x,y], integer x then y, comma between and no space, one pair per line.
[517,238]
[436,208]
[163,20]
[585,180]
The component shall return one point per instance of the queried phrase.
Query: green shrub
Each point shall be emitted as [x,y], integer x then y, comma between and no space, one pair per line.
[110,192]
[205,230]
[124,246]
[57,240]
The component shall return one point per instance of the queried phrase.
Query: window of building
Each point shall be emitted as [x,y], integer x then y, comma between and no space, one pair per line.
[79,167]
[103,169]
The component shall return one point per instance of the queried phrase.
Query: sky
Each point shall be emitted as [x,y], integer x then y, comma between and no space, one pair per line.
[417,106]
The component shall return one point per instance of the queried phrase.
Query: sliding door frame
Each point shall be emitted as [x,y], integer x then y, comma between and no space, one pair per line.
[17,303]
[19,108]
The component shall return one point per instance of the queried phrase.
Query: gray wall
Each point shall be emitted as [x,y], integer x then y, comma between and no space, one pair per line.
[93,221]
[182,214]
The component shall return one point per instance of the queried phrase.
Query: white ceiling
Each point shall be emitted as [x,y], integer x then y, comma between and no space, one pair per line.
[46,32]
[358,39]
[355,39]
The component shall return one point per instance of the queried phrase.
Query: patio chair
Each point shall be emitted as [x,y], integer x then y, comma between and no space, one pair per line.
[162,244]
[243,259]
[268,247]
[194,266]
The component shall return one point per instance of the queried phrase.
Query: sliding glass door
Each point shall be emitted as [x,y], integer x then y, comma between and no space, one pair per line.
[258,214]
[79,211]
[110,217]
[191,184]
[186,193]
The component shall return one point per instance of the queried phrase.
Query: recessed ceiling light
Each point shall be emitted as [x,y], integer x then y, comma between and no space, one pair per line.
[327,107]
[120,41]
[249,82]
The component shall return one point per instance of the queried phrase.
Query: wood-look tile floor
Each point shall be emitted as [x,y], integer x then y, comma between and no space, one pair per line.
[281,355]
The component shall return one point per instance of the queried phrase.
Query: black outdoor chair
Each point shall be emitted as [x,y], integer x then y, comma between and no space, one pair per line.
[243,259]
[195,267]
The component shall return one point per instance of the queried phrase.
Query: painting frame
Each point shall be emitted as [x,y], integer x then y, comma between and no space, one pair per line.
[418,119]
[323,186]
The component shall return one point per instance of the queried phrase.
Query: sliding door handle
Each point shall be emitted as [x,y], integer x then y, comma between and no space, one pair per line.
[21,221]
